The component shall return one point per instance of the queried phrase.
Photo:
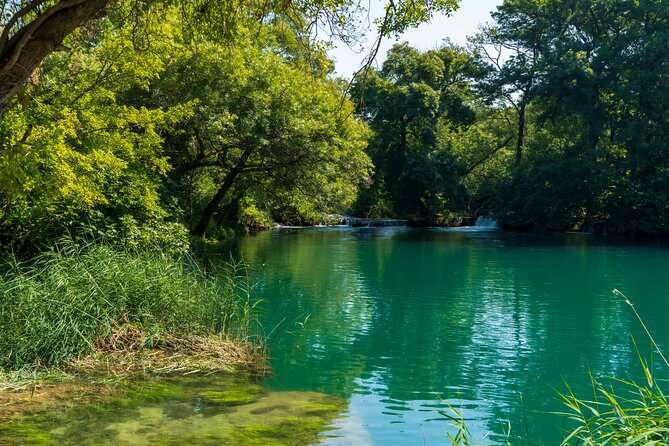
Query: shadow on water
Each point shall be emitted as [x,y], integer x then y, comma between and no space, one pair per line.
[404,323]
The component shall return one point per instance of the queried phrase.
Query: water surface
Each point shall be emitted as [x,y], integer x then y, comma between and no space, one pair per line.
[169,411]
[405,324]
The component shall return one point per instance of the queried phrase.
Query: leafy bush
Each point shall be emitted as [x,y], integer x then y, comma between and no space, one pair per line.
[251,218]
[168,237]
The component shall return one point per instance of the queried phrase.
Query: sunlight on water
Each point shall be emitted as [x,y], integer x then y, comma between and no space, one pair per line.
[406,324]
[378,335]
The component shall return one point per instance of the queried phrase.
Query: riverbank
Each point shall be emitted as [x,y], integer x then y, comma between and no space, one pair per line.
[105,372]
[337,220]
[92,312]
[481,222]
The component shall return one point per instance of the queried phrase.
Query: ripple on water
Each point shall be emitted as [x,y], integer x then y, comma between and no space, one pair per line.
[489,323]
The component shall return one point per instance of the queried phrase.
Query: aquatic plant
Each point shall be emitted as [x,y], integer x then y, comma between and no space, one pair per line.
[629,414]
[73,301]
[203,410]
[621,412]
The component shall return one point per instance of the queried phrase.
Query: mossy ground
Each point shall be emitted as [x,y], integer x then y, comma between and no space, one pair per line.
[176,411]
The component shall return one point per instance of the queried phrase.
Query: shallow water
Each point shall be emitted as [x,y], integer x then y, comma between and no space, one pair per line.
[405,324]
[176,411]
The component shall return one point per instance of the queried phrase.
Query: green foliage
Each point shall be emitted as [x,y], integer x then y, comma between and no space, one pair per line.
[117,142]
[630,414]
[162,113]
[595,153]
[251,218]
[638,414]
[403,15]
[410,103]
[231,19]
[170,238]
[263,131]
[58,306]
[76,153]
[550,120]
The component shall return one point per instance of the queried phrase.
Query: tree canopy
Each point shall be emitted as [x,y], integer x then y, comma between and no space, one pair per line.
[568,128]
[33,29]
[111,139]
[261,131]
[227,115]
[410,103]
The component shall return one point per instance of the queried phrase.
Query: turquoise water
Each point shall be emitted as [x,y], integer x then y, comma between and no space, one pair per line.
[405,324]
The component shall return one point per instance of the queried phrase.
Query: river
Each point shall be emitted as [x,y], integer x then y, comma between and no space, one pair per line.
[378,336]
[407,325]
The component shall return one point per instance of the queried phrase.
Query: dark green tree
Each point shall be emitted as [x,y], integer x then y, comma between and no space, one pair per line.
[264,131]
[595,75]
[408,102]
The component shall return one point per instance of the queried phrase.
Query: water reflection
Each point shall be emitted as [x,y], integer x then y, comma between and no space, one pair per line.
[406,323]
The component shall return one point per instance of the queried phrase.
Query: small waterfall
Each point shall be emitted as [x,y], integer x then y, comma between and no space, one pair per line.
[484,222]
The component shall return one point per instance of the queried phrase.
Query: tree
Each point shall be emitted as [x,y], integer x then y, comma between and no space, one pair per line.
[509,51]
[33,29]
[408,103]
[263,128]
[75,155]
[591,75]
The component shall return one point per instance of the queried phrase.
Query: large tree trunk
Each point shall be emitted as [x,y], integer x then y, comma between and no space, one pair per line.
[229,180]
[520,142]
[26,49]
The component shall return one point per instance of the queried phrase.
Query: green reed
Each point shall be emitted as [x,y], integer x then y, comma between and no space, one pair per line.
[60,304]
[621,412]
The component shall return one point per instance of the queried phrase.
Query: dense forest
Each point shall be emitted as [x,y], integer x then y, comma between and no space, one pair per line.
[130,136]
[150,125]
[157,120]
[553,118]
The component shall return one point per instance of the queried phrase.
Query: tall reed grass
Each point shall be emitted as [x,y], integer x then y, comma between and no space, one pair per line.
[63,303]
[621,412]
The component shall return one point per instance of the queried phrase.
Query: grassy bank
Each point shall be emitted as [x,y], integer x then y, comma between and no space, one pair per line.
[82,307]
